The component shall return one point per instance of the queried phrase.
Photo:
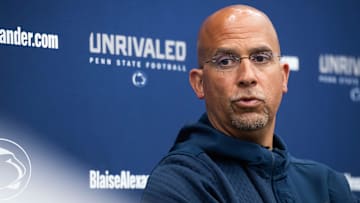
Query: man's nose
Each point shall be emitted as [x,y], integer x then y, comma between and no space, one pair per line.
[246,74]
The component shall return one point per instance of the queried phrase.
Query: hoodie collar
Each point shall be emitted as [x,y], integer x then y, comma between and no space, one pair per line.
[204,136]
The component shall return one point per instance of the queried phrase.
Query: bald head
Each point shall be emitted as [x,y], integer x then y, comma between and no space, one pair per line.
[231,22]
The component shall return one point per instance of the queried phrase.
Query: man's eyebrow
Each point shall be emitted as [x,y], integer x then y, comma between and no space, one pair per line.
[259,49]
[223,50]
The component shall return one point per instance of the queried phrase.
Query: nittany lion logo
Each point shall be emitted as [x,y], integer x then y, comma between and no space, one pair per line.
[355,94]
[139,79]
[15,169]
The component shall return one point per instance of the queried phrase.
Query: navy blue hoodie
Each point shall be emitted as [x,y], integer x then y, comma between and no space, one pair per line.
[207,166]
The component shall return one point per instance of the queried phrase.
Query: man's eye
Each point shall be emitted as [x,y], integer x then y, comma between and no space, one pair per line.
[225,61]
[261,58]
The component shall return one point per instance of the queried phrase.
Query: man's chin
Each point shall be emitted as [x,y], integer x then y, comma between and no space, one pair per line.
[249,121]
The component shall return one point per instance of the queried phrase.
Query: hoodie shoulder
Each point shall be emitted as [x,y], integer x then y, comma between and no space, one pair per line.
[322,178]
[181,176]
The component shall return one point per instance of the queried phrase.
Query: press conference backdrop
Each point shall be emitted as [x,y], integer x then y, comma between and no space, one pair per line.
[93,93]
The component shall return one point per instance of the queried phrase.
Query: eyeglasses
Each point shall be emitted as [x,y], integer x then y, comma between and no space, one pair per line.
[229,61]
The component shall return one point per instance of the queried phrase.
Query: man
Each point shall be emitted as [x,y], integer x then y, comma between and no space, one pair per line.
[231,154]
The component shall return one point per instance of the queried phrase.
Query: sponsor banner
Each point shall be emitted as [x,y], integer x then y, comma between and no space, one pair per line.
[20,37]
[140,47]
[341,70]
[123,180]
[137,53]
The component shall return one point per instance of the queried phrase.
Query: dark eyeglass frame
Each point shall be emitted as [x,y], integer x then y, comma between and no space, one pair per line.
[266,57]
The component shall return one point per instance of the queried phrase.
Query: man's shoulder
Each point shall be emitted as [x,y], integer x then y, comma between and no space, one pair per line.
[312,167]
[318,172]
[181,176]
[321,175]
[185,161]
[307,164]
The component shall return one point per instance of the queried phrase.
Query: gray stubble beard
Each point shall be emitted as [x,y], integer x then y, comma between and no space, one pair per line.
[247,123]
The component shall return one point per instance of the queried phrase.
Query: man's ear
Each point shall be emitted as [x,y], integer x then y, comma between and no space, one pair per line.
[286,73]
[196,82]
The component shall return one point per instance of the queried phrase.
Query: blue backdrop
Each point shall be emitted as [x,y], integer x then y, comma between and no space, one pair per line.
[96,91]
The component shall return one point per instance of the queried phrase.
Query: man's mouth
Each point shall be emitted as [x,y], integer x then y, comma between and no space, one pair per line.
[248,102]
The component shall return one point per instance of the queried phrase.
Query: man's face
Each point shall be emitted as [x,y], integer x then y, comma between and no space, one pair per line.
[245,98]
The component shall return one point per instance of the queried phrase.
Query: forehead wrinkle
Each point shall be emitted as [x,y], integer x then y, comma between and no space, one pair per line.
[235,41]
[231,34]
